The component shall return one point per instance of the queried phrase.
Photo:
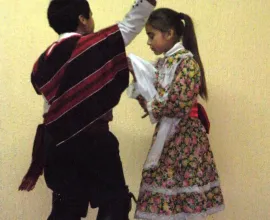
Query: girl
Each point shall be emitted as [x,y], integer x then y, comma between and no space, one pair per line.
[179,179]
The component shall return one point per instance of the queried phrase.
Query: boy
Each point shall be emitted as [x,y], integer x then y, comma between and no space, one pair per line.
[81,77]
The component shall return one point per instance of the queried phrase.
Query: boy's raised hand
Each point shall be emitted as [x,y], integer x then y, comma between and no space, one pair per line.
[152,2]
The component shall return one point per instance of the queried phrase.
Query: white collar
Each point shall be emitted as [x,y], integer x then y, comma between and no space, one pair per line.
[67,35]
[177,47]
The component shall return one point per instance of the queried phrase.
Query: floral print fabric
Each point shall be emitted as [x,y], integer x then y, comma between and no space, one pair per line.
[186,181]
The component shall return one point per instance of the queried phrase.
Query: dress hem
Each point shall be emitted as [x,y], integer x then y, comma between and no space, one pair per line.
[179,216]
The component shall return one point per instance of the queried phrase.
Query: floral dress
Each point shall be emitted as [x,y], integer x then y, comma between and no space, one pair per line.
[185,183]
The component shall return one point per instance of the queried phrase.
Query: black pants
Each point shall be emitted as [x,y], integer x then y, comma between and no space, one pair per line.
[87,169]
[116,209]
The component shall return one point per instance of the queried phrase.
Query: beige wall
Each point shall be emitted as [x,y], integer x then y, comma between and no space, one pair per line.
[234,41]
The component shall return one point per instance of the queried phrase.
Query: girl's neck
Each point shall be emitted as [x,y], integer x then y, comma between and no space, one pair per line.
[174,49]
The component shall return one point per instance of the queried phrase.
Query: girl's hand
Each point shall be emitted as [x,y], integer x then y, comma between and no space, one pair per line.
[143,104]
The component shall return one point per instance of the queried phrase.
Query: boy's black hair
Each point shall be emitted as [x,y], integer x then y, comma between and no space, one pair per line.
[63,15]
[164,19]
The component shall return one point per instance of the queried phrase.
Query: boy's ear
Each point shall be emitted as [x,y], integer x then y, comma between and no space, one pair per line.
[82,19]
[170,34]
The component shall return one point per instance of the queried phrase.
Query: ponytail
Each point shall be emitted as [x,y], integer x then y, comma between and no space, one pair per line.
[190,43]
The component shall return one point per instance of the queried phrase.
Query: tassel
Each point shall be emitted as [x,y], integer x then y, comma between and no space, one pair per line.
[38,157]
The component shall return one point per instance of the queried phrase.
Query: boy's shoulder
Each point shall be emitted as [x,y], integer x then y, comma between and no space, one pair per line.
[52,58]
[58,49]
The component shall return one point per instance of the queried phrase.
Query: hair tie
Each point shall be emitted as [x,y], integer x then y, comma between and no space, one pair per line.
[182,18]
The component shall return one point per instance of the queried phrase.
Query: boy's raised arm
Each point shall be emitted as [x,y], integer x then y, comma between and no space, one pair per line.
[135,19]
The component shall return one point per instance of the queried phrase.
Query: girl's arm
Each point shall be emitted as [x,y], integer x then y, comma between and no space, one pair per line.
[182,93]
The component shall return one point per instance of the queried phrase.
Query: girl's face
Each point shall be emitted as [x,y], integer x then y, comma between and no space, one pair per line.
[159,42]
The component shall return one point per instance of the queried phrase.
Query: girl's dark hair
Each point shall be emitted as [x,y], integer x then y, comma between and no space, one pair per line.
[63,15]
[164,19]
